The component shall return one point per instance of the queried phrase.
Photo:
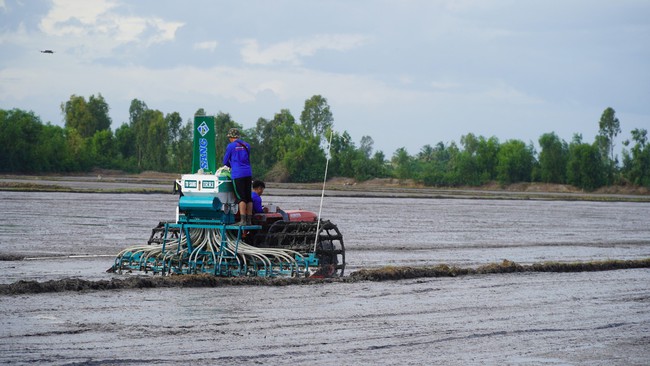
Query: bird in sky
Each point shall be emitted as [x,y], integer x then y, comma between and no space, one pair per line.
[47,51]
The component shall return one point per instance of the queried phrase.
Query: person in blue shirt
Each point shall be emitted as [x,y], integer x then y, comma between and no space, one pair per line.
[258,190]
[237,157]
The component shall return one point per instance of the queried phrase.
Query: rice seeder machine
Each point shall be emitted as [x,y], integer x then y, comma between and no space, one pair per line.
[205,238]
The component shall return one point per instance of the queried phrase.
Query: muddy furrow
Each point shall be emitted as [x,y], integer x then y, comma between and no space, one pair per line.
[390,273]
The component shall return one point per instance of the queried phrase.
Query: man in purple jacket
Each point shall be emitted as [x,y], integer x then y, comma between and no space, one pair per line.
[258,189]
[237,157]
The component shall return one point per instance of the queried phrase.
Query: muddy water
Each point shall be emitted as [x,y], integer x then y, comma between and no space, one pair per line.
[529,319]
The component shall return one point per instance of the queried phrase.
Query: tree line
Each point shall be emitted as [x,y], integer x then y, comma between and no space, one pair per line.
[288,150]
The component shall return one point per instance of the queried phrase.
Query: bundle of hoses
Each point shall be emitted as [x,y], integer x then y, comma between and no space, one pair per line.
[235,258]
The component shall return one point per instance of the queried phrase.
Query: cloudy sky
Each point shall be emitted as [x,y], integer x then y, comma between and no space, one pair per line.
[405,72]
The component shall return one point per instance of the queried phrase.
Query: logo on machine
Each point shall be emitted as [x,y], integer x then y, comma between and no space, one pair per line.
[203,153]
[203,128]
[190,184]
[207,184]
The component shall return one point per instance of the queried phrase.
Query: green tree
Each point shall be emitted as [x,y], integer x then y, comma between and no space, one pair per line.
[452,176]
[343,152]
[28,146]
[609,128]
[487,153]
[184,146]
[273,140]
[316,116]
[402,164]
[477,162]
[19,137]
[99,110]
[584,166]
[174,127]
[515,162]
[553,158]
[636,167]
[157,141]
[151,136]
[379,166]
[86,117]
[366,146]
[261,138]
[436,160]
[77,115]
[103,149]
[77,147]
[467,166]
[139,127]
[426,154]
[305,162]
[126,148]
[52,150]
[364,165]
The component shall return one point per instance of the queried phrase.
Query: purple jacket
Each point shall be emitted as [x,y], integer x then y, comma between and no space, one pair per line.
[237,157]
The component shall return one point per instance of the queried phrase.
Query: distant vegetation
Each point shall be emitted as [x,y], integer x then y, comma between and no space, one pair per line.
[286,150]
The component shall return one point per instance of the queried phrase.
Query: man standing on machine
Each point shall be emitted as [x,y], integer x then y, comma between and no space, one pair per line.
[237,157]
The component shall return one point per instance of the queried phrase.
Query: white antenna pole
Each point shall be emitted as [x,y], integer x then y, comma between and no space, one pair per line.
[322,194]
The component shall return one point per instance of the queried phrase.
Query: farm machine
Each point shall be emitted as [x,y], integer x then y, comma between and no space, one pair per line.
[207,238]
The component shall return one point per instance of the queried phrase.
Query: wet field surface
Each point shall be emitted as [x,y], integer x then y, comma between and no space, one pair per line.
[586,318]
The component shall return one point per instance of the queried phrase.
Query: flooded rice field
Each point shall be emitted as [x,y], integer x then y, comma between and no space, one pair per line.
[585,318]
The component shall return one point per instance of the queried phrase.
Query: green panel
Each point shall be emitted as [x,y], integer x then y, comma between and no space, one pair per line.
[225,182]
[203,152]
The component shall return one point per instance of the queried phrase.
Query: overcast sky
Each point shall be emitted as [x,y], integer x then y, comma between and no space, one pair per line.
[406,73]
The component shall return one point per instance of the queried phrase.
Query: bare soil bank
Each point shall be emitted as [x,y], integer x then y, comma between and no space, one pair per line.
[105,181]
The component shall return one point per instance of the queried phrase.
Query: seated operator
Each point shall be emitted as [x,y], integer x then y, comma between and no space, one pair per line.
[258,190]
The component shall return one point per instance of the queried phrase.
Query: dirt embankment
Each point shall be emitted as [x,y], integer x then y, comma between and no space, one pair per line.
[492,186]
[389,273]
[108,181]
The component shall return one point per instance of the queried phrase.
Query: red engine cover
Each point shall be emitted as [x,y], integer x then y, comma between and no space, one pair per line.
[294,216]
[298,215]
